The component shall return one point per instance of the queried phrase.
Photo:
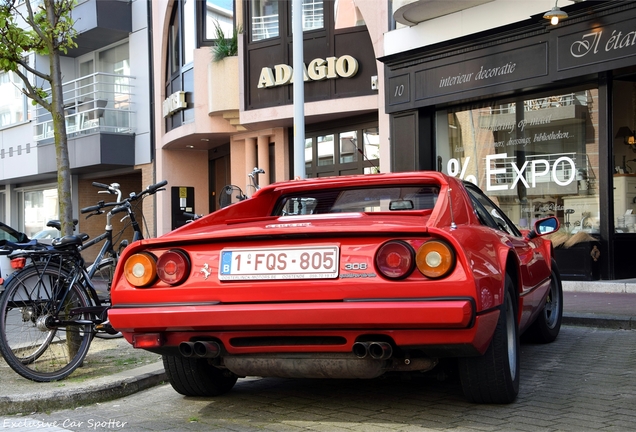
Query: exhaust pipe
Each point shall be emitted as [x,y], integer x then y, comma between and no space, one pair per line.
[207,349]
[186,349]
[380,350]
[361,349]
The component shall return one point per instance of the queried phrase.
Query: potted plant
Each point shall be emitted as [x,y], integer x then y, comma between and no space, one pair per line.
[223,74]
[224,47]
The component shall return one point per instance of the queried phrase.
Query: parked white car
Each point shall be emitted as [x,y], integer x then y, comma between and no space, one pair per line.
[8,234]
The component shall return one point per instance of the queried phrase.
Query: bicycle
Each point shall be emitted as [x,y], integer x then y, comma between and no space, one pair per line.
[50,310]
[227,194]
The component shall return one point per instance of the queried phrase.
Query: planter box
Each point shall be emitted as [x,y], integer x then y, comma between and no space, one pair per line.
[577,263]
[223,84]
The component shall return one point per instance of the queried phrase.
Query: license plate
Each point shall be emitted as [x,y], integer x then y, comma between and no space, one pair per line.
[277,263]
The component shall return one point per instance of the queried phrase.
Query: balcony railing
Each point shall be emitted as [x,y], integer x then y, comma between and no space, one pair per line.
[94,103]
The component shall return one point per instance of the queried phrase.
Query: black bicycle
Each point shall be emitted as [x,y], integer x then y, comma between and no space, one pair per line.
[232,193]
[51,310]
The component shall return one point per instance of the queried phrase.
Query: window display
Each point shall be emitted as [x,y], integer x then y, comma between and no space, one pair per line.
[535,157]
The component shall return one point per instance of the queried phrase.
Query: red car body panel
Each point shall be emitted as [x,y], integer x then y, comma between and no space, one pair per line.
[453,315]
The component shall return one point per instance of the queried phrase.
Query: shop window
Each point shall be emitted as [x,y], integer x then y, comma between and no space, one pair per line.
[326,151]
[348,147]
[534,157]
[371,150]
[343,151]
[36,208]
[624,150]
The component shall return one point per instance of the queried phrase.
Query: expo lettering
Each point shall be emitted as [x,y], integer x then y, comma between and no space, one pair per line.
[537,168]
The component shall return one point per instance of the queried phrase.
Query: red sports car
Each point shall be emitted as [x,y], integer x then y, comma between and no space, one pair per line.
[343,277]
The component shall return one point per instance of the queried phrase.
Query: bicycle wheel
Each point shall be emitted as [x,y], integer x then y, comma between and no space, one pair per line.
[101,280]
[31,346]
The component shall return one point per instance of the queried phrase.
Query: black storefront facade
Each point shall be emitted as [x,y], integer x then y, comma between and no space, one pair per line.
[542,118]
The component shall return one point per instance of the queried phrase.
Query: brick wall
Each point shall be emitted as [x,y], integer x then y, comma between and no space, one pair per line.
[94,226]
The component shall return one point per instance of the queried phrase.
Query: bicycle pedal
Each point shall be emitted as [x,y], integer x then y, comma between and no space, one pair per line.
[107,328]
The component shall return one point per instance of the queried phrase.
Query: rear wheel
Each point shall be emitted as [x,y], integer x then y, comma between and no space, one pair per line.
[197,377]
[30,344]
[546,327]
[494,377]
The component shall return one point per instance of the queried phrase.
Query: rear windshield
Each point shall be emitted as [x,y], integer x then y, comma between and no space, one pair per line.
[383,199]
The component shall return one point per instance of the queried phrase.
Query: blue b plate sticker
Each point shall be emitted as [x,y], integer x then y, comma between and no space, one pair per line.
[226,263]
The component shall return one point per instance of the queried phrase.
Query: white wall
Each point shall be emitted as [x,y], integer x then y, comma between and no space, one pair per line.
[469,21]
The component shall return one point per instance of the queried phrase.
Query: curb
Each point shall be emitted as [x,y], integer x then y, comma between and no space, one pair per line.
[101,390]
[626,286]
[600,321]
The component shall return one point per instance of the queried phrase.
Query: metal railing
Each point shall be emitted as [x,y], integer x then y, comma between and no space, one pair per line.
[541,103]
[94,103]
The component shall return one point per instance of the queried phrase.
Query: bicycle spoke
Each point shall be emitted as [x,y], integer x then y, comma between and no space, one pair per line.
[30,344]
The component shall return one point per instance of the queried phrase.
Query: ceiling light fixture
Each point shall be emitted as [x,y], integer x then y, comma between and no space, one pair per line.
[555,15]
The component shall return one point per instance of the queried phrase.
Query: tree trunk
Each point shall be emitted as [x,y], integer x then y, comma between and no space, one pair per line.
[61,142]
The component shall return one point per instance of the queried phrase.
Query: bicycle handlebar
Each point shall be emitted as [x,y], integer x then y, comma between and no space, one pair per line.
[123,205]
[149,190]
[100,205]
[120,208]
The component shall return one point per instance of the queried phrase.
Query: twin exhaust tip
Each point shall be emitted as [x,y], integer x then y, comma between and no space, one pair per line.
[201,349]
[376,350]
[205,349]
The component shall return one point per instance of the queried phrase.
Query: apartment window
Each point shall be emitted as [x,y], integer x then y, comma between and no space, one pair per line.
[221,12]
[265,19]
[13,104]
[313,14]
[179,66]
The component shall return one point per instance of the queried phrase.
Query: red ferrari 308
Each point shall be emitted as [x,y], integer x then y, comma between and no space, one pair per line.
[343,277]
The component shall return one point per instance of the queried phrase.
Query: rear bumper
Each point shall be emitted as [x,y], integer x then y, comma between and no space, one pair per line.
[366,314]
[445,323]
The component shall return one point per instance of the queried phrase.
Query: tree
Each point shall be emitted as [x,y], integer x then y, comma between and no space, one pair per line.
[47,31]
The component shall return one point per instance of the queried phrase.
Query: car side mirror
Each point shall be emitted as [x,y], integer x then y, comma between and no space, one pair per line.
[544,227]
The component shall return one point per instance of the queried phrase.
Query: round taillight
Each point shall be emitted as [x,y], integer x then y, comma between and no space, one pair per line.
[173,267]
[435,259]
[140,269]
[395,259]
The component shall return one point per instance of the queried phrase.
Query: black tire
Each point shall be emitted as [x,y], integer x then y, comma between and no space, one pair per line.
[547,325]
[493,378]
[29,298]
[196,377]
[102,280]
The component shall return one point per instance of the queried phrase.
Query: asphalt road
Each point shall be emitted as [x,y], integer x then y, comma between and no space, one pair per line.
[585,381]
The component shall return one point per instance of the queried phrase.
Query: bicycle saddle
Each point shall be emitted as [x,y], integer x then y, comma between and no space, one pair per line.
[68,241]
[55,223]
